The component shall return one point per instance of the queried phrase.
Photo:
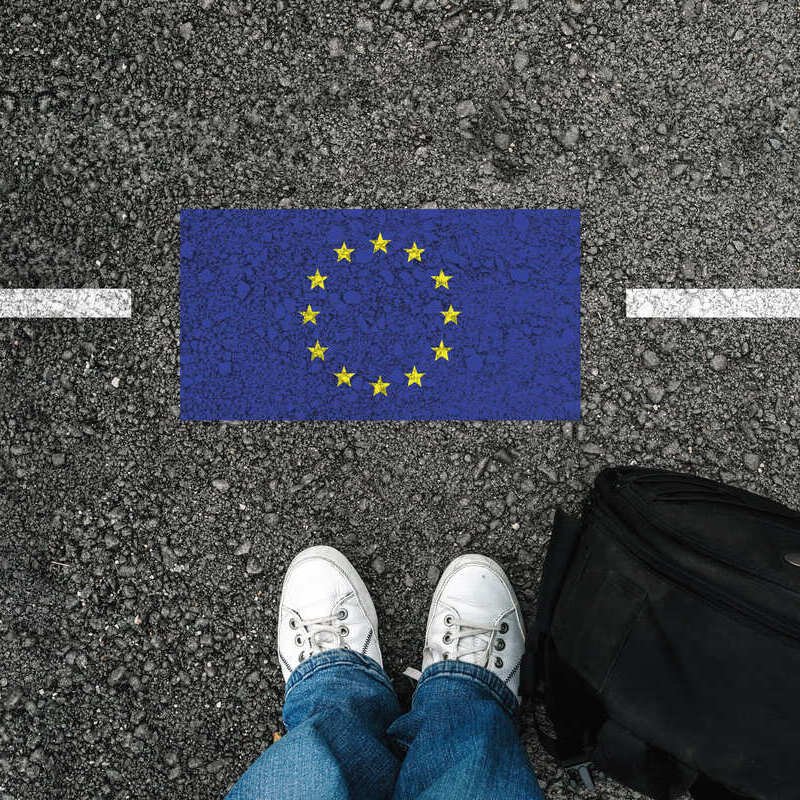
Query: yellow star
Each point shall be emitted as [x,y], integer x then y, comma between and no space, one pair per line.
[343,252]
[343,377]
[414,377]
[317,280]
[317,351]
[441,279]
[379,386]
[451,315]
[379,243]
[309,315]
[441,351]
[414,252]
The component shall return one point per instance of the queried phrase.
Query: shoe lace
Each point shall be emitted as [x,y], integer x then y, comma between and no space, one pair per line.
[478,632]
[465,630]
[319,634]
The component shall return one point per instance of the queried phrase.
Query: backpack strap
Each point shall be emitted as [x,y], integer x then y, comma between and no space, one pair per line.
[560,552]
[564,541]
[566,531]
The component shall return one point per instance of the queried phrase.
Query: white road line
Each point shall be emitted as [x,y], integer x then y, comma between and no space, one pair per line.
[77,303]
[713,303]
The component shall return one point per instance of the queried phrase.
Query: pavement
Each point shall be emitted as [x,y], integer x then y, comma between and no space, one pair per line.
[140,556]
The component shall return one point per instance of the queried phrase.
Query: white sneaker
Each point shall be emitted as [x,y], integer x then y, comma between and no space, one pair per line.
[475,617]
[324,606]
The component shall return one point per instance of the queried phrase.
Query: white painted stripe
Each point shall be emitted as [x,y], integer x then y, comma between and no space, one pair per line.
[78,303]
[713,303]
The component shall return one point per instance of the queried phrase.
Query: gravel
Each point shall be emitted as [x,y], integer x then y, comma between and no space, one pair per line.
[141,557]
[719,363]
[379,565]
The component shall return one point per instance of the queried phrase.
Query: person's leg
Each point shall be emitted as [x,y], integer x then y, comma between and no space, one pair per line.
[460,735]
[339,701]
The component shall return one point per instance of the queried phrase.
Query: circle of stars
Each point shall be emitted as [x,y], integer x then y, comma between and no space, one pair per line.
[414,376]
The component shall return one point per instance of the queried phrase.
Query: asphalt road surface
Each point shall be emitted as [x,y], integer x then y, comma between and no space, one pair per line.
[140,557]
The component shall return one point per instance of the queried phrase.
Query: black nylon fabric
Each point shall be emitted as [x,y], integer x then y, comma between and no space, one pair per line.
[668,638]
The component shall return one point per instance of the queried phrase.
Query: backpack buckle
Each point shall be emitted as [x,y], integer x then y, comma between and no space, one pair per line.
[579,771]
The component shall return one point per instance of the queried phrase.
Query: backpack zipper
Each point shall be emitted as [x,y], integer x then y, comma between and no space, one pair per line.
[699,547]
[719,491]
[696,585]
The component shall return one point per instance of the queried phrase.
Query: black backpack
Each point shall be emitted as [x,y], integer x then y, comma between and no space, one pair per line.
[666,649]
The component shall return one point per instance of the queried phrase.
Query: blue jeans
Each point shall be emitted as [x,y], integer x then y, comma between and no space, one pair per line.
[347,739]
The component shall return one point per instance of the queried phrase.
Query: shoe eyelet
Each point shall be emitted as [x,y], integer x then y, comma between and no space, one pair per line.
[447,638]
[298,640]
[346,647]
[445,656]
[499,644]
[301,657]
[504,627]
[498,662]
[448,620]
[293,623]
[344,631]
[342,613]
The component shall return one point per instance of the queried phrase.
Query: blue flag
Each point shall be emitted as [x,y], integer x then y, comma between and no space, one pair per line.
[380,314]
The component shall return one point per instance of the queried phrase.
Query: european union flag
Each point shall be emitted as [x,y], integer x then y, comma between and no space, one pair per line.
[380,314]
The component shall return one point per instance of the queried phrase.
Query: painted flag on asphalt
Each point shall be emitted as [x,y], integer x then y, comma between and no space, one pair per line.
[380,314]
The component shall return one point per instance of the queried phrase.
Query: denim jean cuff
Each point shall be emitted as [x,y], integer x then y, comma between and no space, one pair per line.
[476,675]
[338,659]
